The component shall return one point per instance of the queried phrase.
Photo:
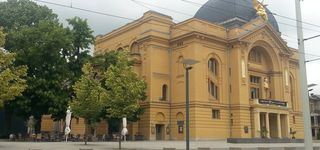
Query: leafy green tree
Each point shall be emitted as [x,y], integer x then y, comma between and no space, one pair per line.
[88,102]
[17,13]
[12,82]
[89,96]
[39,47]
[54,55]
[125,89]
[113,76]
[78,55]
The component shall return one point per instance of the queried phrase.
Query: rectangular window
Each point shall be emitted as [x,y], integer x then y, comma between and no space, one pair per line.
[313,131]
[215,114]
[254,93]
[254,79]
[312,120]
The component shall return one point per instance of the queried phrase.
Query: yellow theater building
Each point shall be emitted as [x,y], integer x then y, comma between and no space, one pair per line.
[246,84]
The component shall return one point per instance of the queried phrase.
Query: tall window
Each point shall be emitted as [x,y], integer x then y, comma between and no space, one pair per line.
[213,66]
[255,87]
[164,92]
[213,89]
[255,56]
[213,80]
[292,92]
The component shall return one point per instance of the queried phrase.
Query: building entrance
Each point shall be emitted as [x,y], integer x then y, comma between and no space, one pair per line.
[159,132]
[272,125]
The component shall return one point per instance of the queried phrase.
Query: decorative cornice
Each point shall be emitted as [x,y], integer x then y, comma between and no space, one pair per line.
[132,25]
[199,35]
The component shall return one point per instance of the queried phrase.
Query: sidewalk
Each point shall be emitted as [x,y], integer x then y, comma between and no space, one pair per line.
[138,145]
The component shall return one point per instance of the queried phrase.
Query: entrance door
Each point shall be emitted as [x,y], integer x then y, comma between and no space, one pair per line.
[159,132]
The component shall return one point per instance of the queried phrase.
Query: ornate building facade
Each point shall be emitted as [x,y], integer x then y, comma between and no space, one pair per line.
[245,86]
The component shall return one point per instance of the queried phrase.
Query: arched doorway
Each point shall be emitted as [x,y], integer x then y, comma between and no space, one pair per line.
[160,126]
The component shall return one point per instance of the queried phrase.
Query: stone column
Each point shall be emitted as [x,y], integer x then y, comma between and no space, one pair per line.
[288,125]
[267,124]
[257,128]
[279,126]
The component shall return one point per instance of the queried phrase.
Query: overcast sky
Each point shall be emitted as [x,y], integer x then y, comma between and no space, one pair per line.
[102,24]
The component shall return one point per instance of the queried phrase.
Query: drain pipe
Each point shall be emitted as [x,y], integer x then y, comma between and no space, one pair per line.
[170,87]
[229,91]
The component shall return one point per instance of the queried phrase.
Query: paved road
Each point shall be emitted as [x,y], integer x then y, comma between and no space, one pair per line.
[144,145]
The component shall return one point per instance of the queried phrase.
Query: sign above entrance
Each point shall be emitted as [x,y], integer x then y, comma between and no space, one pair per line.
[272,102]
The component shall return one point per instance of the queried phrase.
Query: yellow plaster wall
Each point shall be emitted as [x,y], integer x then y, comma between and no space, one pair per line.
[201,40]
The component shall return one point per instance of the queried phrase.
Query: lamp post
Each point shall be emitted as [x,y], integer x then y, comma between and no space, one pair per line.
[303,79]
[187,64]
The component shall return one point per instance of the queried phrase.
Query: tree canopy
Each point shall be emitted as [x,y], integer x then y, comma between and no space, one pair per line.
[90,95]
[17,13]
[53,53]
[12,82]
[125,89]
[113,78]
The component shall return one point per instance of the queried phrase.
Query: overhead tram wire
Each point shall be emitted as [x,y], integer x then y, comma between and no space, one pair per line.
[131,19]
[179,12]
[144,5]
[272,13]
[293,26]
[102,13]
[87,10]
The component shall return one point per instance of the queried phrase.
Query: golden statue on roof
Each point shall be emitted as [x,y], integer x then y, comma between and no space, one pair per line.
[260,8]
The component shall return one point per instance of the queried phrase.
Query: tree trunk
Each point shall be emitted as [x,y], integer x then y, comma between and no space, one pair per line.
[85,139]
[120,135]
[119,140]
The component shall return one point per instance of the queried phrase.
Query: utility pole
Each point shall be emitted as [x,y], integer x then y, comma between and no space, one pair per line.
[303,82]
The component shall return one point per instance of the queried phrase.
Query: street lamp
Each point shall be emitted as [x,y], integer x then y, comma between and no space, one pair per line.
[187,64]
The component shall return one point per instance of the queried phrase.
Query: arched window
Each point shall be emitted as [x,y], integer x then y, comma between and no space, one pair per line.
[255,56]
[134,48]
[164,92]
[213,66]
[213,88]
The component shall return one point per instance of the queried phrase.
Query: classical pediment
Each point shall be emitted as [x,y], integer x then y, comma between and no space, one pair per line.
[267,34]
